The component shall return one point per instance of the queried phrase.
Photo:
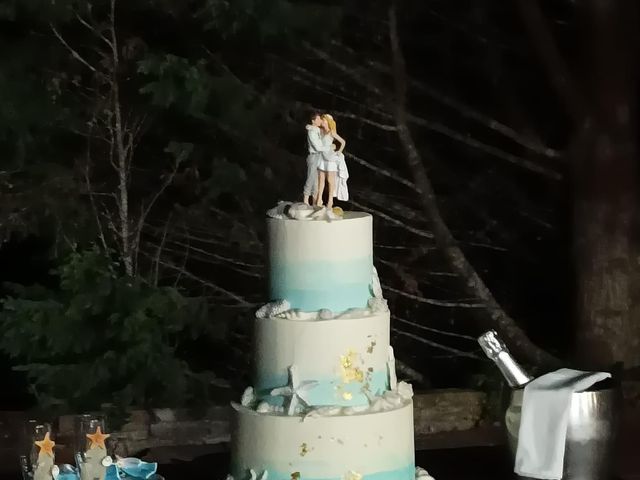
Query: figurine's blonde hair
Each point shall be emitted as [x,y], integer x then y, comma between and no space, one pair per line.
[333,128]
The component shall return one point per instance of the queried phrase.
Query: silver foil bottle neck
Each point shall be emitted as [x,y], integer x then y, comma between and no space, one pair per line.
[497,351]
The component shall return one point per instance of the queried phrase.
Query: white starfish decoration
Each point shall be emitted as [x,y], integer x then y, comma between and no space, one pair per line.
[391,367]
[254,476]
[296,391]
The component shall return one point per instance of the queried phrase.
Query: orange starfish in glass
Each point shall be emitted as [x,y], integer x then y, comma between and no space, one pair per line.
[97,439]
[46,445]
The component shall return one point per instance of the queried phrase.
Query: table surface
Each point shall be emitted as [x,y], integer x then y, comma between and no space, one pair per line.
[477,463]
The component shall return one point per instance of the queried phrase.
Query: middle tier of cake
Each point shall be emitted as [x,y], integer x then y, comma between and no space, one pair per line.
[341,361]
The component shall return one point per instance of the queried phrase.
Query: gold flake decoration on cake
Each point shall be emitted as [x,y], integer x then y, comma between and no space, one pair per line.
[351,475]
[371,346]
[338,211]
[351,372]
[366,385]
[304,449]
[347,395]
[295,476]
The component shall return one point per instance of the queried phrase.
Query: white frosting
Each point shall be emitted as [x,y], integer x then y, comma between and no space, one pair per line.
[318,350]
[313,241]
[327,447]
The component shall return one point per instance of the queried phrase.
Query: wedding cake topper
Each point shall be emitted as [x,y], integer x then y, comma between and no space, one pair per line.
[325,164]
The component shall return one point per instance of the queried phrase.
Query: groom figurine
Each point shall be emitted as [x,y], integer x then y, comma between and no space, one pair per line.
[316,147]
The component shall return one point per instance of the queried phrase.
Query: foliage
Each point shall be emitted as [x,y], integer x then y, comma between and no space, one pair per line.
[221,88]
[102,338]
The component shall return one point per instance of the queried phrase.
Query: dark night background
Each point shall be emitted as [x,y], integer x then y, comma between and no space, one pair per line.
[141,149]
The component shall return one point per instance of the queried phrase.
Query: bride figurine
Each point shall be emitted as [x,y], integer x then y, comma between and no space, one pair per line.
[332,163]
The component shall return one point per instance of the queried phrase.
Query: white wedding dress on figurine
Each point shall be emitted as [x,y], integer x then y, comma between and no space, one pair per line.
[342,191]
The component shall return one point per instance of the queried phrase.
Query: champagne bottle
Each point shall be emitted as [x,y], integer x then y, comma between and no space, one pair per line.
[497,351]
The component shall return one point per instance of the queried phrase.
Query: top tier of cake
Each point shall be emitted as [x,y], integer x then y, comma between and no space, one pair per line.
[317,265]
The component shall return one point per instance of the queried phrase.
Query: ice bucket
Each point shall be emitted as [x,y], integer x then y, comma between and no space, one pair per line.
[591,435]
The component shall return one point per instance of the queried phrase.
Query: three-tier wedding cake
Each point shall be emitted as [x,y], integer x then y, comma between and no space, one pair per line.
[325,402]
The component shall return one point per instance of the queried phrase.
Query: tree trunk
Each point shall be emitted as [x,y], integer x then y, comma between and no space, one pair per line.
[495,316]
[121,152]
[605,190]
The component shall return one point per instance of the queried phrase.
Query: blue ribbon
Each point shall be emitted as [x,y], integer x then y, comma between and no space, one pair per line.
[68,472]
[133,469]
[124,469]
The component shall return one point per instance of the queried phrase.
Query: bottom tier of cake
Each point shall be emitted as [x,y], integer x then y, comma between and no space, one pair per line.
[361,446]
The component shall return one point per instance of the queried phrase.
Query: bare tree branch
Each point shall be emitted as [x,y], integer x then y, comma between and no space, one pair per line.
[241,301]
[393,221]
[433,301]
[410,373]
[93,30]
[458,353]
[357,75]
[156,262]
[497,317]
[532,166]
[381,171]
[211,257]
[73,52]
[433,330]
[87,178]
[464,110]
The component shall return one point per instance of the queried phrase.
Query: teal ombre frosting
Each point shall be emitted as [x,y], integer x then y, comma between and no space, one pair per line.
[329,391]
[314,285]
[405,473]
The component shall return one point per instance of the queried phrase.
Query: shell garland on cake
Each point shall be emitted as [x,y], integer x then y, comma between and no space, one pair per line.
[302,211]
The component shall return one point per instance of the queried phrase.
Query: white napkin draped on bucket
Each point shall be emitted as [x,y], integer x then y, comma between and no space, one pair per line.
[544,420]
